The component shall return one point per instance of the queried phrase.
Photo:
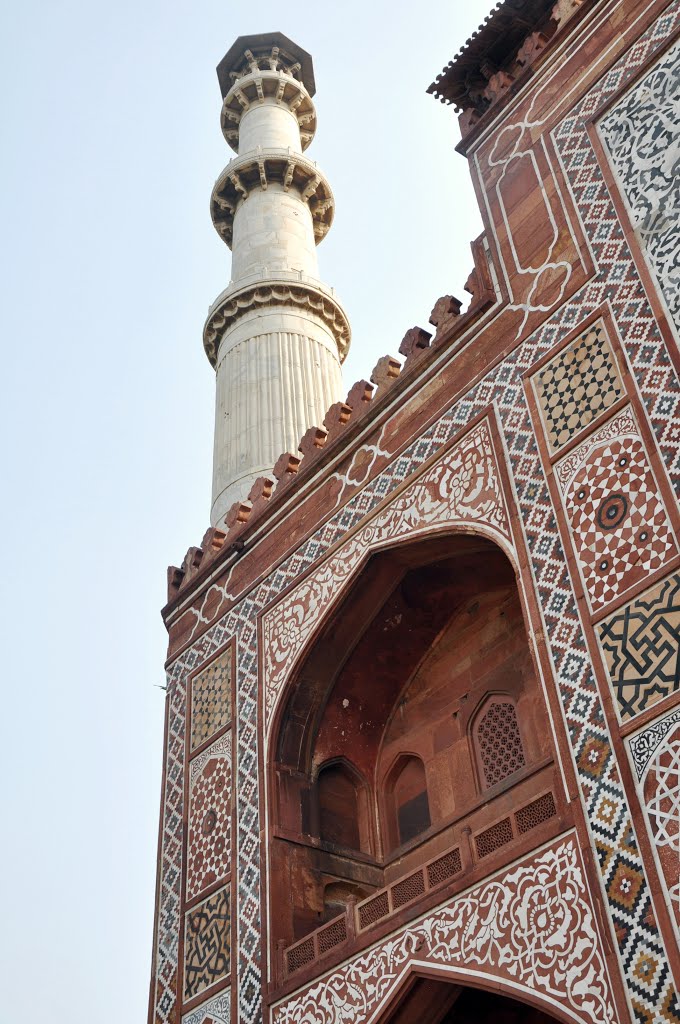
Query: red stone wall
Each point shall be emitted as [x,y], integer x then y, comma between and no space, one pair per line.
[543,422]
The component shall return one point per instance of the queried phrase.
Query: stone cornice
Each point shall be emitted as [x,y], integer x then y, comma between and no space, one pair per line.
[233,304]
[259,169]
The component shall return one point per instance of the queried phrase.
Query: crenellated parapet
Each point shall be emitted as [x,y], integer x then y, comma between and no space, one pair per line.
[319,443]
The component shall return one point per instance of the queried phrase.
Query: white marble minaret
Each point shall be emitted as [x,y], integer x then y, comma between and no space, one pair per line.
[276,335]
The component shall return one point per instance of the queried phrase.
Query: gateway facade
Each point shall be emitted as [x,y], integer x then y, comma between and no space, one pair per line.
[422,753]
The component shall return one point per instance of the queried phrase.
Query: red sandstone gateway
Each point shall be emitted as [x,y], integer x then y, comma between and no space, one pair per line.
[423,723]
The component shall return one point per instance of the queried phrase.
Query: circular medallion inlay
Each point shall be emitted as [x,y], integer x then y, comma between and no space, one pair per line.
[209,822]
[612,511]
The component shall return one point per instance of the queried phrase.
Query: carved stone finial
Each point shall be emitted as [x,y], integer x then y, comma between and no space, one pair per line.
[497,85]
[238,514]
[530,48]
[175,579]
[261,489]
[213,539]
[467,119]
[444,310]
[312,442]
[563,10]
[385,372]
[414,343]
[471,286]
[336,419]
[286,467]
[359,397]
[191,563]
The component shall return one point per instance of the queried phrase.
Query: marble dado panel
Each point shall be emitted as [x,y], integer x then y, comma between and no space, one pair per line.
[619,526]
[655,753]
[575,389]
[531,928]
[207,944]
[641,134]
[463,487]
[211,700]
[209,830]
[641,648]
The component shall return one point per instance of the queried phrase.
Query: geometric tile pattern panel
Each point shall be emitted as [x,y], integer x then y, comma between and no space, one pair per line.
[662,804]
[577,386]
[531,926]
[206,943]
[211,700]
[223,617]
[642,136]
[618,522]
[215,1011]
[209,835]
[641,647]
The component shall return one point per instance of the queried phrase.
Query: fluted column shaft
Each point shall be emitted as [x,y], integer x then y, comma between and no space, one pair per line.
[276,334]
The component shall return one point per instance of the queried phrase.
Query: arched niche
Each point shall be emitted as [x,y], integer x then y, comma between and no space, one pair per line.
[341,805]
[395,672]
[407,804]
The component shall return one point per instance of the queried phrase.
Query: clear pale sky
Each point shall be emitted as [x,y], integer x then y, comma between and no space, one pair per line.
[111,147]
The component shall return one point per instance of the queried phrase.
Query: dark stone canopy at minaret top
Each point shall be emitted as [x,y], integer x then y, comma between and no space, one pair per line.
[234,58]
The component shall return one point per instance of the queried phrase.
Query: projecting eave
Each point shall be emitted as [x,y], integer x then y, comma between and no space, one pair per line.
[263,42]
[490,49]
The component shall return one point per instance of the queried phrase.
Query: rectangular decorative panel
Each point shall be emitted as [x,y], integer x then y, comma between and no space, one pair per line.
[577,386]
[640,644]
[215,1011]
[208,847]
[655,753]
[206,943]
[641,134]
[211,700]
[619,526]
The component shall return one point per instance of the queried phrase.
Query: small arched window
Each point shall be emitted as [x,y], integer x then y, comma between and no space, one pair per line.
[411,807]
[338,807]
[498,741]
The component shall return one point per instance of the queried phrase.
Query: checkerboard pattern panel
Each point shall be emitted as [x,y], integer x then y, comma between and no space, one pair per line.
[577,386]
[616,281]
[641,647]
[211,700]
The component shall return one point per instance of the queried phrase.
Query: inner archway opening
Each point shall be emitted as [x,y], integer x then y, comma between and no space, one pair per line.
[413,751]
[429,1001]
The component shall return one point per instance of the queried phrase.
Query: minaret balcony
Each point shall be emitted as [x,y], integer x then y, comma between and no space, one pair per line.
[266,86]
[258,170]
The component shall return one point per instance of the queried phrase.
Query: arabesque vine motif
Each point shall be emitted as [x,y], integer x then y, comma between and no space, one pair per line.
[531,927]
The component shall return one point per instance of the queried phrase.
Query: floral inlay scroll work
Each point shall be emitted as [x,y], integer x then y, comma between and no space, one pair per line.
[533,928]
